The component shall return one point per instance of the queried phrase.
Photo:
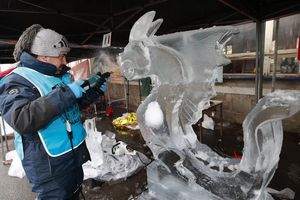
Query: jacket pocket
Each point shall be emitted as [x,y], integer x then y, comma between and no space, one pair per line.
[36,161]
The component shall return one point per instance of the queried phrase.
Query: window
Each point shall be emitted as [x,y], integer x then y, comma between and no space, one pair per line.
[288,33]
[241,49]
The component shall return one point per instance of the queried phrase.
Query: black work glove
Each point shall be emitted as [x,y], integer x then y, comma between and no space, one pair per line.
[94,90]
[101,85]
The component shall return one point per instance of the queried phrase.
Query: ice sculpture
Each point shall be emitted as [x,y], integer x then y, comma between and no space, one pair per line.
[184,63]
[110,160]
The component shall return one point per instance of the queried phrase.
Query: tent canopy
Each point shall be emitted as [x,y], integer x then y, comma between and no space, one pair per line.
[84,22]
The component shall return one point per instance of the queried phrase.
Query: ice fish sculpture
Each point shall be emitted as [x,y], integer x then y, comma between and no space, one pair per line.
[184,65]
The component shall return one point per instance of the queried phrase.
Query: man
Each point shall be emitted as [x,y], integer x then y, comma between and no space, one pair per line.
[40,102]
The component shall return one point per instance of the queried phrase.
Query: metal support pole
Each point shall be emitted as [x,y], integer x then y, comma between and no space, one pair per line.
[127,96]
[275,54]
[2,146]
[140,95]
[259,60]
[5,135]
[126,93]
[95,109]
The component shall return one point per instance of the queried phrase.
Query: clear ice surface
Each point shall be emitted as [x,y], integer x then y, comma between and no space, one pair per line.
[183,65]
[110,160]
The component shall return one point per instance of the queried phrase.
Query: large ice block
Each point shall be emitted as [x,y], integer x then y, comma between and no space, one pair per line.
[183,66]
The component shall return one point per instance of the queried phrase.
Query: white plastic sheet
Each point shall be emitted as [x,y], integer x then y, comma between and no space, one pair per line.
[208,122]
[93,142]
[16,168]
[8,129]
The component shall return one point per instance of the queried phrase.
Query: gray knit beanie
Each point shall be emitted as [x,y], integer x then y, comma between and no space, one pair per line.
[40,41]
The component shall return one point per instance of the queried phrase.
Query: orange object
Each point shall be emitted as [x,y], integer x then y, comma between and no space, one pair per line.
[236,155]
[109,111]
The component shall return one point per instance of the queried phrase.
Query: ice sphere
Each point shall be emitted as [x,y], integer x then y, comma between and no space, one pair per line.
[184,67]
[153,115]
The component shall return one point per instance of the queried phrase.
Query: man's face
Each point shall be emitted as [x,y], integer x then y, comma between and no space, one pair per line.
[59,61]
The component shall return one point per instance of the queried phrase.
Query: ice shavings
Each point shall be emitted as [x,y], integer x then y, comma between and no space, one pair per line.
[16,168]
[110,159]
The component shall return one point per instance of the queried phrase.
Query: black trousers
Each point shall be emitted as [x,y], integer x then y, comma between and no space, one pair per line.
[65,187]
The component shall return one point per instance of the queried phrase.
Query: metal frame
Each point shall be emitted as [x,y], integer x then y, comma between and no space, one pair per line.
[259,44]
[135,11]
[5,138]
[275,54]
[126,95]
[259,60]
[215,105]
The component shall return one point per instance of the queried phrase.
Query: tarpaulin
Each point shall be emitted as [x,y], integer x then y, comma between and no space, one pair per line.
[81,71]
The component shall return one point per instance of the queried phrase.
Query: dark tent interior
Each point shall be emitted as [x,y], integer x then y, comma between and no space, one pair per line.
[84,22]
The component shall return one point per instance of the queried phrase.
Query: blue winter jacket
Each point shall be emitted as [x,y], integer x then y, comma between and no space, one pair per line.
[26,111]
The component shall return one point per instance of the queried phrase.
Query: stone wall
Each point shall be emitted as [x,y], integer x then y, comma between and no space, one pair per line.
[237,96]
[238,100]
[117,92]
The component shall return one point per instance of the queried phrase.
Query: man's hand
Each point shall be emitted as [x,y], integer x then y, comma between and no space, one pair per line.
[77,89]
[96,83]
[101,84]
